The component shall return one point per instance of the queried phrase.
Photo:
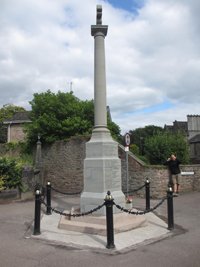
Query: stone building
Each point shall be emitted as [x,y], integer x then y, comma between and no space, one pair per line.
[193,122]
[191,128]
[15,125]
[194,137]
[177,126]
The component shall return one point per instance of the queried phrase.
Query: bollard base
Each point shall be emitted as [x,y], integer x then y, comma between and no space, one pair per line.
[36,233]
[110,246]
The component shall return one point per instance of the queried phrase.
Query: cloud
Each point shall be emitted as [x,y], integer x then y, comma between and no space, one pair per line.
[162,46]
[152,56]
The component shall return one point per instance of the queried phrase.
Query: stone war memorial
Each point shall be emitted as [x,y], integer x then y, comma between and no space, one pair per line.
[102,166]
[101,209]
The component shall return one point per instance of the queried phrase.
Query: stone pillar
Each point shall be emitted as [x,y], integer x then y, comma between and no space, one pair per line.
[38,163]
[99,32]
[102,166]
[9,133]
[38,156]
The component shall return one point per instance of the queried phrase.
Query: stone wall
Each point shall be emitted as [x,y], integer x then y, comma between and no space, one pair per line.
[139,172]
[7,151]
[16,133]
[63,166]
[159,177]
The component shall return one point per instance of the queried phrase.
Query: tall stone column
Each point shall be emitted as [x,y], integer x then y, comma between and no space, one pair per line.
[102,166]
[99,32]
[38,164]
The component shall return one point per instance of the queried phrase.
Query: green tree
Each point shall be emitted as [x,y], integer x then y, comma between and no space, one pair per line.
[159,147]
[134,149]
[140,134]
[60,116]
[6,112]
[114,130]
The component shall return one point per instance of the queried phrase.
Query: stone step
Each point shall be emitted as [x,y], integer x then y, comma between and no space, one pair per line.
[97,224]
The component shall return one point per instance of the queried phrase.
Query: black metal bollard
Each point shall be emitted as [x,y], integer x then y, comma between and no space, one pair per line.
[48,194]
[147,189]
[36,230]
[170,209]
[109,220]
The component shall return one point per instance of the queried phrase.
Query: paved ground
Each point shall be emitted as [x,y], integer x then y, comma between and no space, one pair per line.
[179,249]
[151,229]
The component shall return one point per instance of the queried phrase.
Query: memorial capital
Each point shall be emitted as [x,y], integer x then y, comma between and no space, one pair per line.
[99,30]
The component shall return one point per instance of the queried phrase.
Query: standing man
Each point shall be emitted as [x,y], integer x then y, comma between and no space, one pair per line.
[173,165]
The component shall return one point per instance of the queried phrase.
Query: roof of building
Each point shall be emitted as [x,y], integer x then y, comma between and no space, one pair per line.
[177,125]
[180,125]
[195,139]
[169,127]
[19,117]
[193,115]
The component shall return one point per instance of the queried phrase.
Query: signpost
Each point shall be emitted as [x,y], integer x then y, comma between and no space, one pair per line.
[127,139]
[127,144]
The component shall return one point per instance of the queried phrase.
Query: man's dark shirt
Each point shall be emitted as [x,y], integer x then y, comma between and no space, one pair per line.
[173,166]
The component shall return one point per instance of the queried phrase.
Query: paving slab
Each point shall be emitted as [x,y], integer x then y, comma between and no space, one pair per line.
[154,229]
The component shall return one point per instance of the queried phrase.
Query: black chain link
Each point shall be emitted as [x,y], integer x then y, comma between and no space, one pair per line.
[141,212]
[73,214]
[133,191]
[65,193]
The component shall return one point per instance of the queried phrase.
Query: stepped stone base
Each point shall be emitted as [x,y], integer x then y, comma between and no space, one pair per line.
[97,224]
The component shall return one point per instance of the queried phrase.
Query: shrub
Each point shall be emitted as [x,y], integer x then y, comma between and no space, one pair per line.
[10,174]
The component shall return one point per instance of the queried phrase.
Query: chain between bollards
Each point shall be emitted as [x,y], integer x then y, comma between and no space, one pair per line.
[36,230]
[147,189]
[48,194]
[109,220]
[170,209]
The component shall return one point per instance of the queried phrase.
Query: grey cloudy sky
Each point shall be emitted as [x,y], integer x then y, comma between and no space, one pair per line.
[152,55]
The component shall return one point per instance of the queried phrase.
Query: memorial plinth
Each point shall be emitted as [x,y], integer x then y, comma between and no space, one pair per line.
[102,166]
[97,224]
